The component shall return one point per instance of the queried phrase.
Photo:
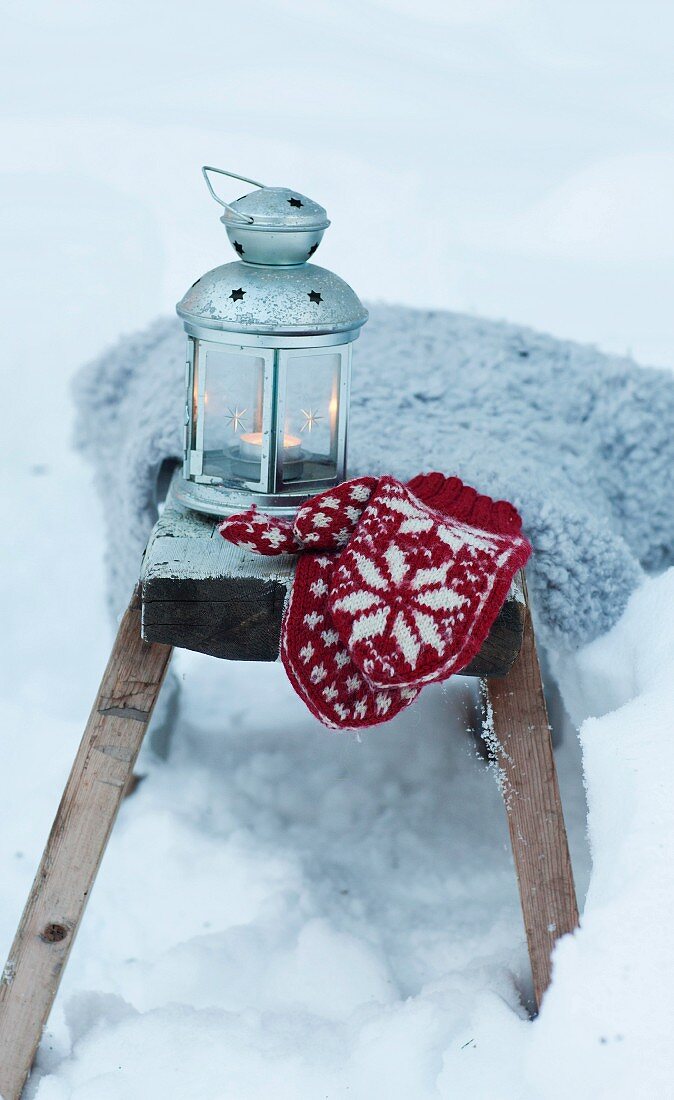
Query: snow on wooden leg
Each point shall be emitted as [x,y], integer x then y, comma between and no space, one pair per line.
[79,835]
[518,738]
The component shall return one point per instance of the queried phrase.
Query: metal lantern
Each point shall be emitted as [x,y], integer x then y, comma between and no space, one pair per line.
[268,361]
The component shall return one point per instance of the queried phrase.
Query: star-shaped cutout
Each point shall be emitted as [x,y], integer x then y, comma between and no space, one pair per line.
[238,248]
[296,202]
[237,295]
[310,420]
[235,417]
[315,297]
[312,250]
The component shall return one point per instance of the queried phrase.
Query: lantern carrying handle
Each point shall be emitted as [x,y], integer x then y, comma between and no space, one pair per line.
[232,175]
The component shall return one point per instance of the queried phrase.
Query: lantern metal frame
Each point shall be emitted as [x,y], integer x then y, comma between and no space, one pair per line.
[269,491]
[277,323]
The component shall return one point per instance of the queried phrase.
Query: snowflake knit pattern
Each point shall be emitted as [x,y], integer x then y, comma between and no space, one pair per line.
[416,590]
[361,634]
[319,665]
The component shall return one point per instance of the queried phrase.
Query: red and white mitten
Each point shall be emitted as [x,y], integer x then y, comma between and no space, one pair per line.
[415,593]
[260,533]
[327,521]
[319,665]
[413,596]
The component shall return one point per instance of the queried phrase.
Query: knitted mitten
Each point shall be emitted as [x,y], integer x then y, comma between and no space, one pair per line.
[317,663]
[317,660]
[415,593]
[263,534]
[327,521]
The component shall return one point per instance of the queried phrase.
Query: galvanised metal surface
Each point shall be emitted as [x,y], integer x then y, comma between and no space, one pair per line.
[284,227]
[277,208]
[279,247]
[303,300]
[272,225]
[272,299]
[223,500]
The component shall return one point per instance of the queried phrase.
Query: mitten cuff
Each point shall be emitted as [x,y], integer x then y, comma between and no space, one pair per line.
[453,497]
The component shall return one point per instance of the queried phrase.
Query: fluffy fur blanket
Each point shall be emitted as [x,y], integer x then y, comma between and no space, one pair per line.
[581,442]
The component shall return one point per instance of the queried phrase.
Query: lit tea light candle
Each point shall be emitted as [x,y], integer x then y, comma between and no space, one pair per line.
[250,446]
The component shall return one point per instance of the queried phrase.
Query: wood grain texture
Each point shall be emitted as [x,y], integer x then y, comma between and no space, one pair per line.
[517,734]
[201,593]
[84,820]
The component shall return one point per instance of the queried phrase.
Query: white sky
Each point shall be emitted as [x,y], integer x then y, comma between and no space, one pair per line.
[509,158]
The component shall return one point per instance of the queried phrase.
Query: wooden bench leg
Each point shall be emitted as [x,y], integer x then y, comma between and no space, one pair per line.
[79,835]
[518,738]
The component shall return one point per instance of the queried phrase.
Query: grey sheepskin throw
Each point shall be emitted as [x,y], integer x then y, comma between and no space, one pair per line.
[581,443]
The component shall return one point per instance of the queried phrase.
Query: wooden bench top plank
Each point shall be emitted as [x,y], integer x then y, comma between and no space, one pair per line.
[202,593]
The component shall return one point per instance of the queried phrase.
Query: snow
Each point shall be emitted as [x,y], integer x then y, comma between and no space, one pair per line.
[284,912]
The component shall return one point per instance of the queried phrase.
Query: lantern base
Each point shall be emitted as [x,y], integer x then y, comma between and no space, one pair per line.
[221,500]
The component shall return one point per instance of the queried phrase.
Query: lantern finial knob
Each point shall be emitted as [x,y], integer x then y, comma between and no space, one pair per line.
[272,226]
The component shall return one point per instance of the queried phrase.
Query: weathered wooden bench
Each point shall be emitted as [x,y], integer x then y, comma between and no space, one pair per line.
[202,593]
[199,592]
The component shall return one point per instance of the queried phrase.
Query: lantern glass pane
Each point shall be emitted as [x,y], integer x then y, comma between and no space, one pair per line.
[311,417]
[232,404]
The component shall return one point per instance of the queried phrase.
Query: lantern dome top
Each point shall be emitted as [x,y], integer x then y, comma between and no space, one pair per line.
[273,226]
[276,208]
[298,300]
